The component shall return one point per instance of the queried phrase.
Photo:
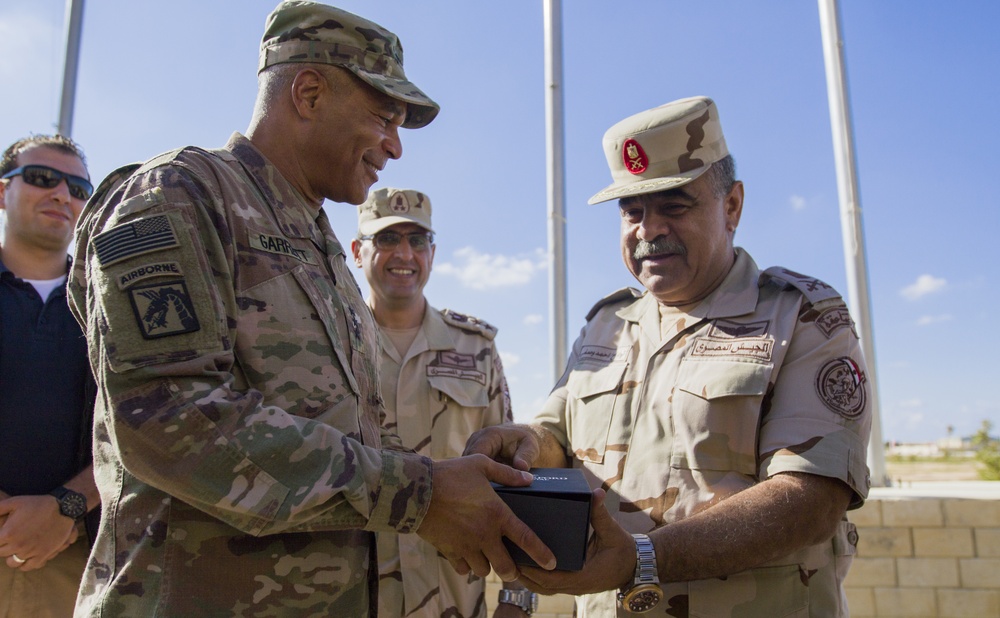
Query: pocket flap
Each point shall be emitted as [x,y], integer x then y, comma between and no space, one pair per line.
[584,383]
[467,393]
[712,379]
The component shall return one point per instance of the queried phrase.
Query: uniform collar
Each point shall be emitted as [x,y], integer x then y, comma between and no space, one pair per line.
[737,295]
[438,334]
[295,215]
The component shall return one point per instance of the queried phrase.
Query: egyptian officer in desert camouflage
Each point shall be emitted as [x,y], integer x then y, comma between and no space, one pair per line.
[723,412]
[239,448]
[441,379]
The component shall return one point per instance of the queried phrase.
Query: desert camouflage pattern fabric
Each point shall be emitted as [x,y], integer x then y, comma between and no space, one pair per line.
[238,439]
[764,376]
[298,31]
[450,384]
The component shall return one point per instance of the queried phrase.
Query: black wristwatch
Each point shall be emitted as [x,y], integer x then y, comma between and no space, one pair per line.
[525,599]
[644,592]
[72,504]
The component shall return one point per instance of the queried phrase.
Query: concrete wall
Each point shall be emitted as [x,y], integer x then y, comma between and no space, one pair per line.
[932,552]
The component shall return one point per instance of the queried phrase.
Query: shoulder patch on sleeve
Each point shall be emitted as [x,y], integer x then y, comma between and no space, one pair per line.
[812,288]
[614,297]
[469,323]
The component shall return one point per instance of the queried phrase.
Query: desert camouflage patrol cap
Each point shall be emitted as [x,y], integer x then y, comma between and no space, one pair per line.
[662,148]
[299,31]
[388,206]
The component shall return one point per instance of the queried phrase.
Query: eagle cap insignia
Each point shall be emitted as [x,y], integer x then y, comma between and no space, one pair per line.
[634,157]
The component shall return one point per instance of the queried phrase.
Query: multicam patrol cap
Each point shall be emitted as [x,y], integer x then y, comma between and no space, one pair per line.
[299,31]
[388,206]
[662,148]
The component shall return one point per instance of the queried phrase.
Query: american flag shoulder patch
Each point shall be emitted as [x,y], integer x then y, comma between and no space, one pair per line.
[134,238]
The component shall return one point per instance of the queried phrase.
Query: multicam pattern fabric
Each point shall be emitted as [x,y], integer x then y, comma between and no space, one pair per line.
[238,456]
[298,31]
[728,397]
[450,384]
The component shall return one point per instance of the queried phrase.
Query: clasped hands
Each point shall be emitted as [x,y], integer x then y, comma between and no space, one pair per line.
[33,531]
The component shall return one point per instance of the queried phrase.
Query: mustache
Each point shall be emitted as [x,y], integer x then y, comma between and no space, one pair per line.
[660,245]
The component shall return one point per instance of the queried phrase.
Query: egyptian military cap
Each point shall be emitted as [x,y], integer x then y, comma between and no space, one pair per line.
[299,31]
[662,148]
[388,206]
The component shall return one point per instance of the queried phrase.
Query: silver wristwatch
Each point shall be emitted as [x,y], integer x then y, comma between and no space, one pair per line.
[525,599]
[644,592]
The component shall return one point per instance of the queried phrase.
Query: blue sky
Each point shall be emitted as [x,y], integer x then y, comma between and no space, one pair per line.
[923,82]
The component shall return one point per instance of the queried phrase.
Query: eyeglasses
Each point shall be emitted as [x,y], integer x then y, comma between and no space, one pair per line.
[387,241]
[45,177]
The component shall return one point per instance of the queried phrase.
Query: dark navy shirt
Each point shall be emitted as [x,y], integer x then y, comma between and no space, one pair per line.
[45,389]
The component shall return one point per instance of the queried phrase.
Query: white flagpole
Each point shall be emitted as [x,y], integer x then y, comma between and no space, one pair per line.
[556,183]
[74,26]
[850,218]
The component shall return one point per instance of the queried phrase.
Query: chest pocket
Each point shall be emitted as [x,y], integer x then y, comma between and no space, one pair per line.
[716,415]
[466,393]
[595,398]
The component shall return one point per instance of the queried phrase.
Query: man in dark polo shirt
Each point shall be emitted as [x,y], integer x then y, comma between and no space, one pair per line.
[46,388]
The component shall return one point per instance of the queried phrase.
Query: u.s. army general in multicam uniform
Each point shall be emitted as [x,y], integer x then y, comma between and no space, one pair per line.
[442,380]
[725,411]
[239,450]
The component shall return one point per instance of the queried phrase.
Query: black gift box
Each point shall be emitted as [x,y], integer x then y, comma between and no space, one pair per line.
[557,507]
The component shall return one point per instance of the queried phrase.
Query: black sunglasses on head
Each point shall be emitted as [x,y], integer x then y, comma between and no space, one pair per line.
[45,177]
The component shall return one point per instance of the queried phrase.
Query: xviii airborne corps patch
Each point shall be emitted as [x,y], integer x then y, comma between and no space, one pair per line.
[163,309]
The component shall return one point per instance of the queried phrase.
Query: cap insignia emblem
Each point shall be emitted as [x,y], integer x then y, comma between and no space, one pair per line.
[634,157]
[399,203]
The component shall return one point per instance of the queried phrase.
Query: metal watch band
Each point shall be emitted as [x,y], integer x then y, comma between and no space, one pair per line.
[525,599]
[645,561]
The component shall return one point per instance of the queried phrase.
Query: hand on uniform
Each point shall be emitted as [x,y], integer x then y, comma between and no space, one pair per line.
[466,520]
[514,445]
[610,559]
[34,531]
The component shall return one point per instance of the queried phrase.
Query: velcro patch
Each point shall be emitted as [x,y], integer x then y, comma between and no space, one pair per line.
[601,354]
[148,271]
[840,383]
[134,238]
[455,372]
[163,310]
[724,329]
[832,319]
[278,245]
[759,348]
[454,359]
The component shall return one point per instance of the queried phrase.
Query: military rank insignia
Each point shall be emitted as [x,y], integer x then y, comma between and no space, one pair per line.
[163,309]
[634,157]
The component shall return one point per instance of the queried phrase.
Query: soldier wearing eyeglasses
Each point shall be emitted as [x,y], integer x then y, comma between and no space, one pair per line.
[441,379]
[46,389]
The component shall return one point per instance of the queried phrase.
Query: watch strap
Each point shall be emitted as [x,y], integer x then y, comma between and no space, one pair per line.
[525,599]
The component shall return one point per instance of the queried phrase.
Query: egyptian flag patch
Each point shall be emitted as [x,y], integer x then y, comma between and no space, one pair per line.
[840,383]
[135,238]
[163,310]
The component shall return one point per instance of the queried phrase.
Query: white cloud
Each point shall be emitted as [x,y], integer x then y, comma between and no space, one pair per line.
[927,320]
[482,271]
[911,403]
[798,202]
[509,359]
[924,285]
[533,318]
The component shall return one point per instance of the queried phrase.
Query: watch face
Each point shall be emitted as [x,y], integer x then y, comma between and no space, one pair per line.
[73,505]
[642,598]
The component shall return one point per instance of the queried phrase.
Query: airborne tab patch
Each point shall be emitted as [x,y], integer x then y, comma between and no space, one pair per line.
[148,271]
[135,238]
[162,310]
[280,246]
